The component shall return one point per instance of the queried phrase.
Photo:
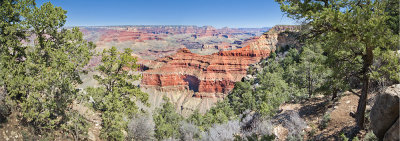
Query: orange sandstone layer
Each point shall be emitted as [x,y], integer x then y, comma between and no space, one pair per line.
[212,75]
[207,75]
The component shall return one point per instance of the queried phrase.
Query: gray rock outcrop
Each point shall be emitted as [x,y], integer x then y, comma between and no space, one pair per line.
[385,114]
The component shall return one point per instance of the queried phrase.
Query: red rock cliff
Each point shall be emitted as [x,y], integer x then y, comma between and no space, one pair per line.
[207,75]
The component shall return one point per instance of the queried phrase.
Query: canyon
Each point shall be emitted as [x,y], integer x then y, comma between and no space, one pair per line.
[209,75]
[153,42]
[185,70]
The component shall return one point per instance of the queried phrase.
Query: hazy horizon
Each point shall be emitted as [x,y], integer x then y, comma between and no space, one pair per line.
[167,25]
[216,13]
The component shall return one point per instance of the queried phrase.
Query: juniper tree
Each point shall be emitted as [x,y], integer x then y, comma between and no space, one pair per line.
[116,95]
[40,75]
[167,121]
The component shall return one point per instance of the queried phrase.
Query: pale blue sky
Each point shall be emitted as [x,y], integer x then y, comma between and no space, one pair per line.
[217,13]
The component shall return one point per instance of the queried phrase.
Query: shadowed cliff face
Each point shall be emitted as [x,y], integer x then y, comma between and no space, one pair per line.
[193,83]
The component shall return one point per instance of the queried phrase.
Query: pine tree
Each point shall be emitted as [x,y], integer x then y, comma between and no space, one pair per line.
[354,34]
[312,72]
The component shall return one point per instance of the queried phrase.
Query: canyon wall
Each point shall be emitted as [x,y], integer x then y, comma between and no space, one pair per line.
[105,34]
[196,82]
[207,75]
[171,64]
[152,42]
[211,76]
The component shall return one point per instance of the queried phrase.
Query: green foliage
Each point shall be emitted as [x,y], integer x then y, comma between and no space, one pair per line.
[343,137]
[312,72]
[167,121]
[242,98]
[297,137]
[370,136]
[325,120]
[77,125]
[197,119]
[221,113]
[116,96]
[281,79]
[313,130]
[392,9]
[250,70]
[40,78]
[272,92]
[385,68]
[292,57]
[355,35]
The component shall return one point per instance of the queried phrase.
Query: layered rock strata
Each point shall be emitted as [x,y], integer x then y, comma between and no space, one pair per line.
[196,82]
[208,75]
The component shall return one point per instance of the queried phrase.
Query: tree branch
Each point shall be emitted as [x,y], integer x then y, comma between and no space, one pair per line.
[351,90]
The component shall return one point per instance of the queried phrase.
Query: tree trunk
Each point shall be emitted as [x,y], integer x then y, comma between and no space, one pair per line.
[362,102]
[334,94]
[309,81]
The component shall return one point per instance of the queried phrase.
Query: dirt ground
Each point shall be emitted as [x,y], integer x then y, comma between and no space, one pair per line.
[340,112]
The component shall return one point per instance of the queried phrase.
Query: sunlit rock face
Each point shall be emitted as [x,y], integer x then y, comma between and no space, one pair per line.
[211,76]
[171,64]
[155,41]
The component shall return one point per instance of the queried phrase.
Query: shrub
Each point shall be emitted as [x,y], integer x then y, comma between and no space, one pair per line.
[77,126]
[313,130]
[189,131]
[343,137]
[325,120]
[141,127]
[254,127]
[293,122]
[370,136]
[296,137]
[225,131]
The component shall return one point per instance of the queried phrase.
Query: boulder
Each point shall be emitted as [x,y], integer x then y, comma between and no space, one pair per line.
[385,112]
[393,133]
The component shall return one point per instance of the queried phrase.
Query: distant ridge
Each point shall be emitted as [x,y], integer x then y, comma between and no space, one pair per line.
[195,26]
